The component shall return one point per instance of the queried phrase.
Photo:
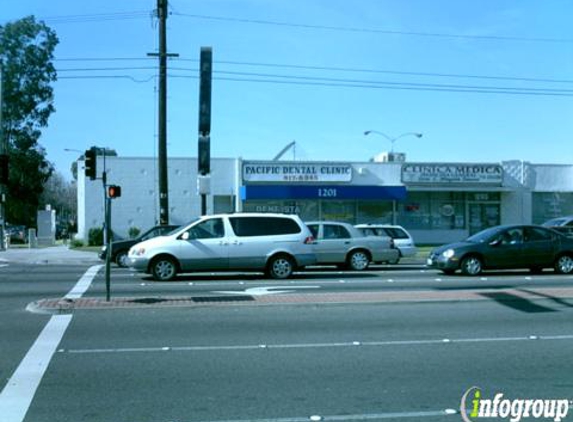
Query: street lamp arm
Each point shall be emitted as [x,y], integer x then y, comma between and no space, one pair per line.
[392,140]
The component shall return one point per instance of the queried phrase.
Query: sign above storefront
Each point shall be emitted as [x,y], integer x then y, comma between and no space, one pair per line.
[322,192]
[265,171]
[452,173]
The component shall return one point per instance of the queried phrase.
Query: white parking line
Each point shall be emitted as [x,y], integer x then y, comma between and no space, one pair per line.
[19,392]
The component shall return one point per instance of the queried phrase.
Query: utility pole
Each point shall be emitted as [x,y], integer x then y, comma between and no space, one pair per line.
[162,117]
[3,174]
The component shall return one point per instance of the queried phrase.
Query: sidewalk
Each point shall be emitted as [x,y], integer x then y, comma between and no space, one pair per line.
[53,255]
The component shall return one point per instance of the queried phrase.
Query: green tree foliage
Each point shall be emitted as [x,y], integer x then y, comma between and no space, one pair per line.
[26,53]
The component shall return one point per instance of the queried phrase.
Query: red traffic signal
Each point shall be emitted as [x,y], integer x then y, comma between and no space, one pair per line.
[114,191]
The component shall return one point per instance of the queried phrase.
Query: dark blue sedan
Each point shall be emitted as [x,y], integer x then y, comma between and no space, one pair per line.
[506,247]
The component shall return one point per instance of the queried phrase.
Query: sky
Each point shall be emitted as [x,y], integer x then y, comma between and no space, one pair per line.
[483,81]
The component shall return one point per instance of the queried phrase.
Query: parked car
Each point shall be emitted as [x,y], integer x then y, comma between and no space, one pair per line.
[344,245]
[402,239]
[16,234]
[120,248]
[506,247]
[274,243]
[561,224]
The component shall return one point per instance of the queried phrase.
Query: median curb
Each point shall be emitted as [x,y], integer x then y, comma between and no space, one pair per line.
[66,305]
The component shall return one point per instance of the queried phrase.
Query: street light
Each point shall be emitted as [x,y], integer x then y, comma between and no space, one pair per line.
[391,139]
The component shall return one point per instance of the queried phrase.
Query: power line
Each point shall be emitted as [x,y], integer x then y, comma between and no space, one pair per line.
[331,82]
[338,69]
[372,30]
[97,17]
[399,86]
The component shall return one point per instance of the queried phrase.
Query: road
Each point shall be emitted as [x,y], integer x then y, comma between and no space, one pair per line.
[397,360]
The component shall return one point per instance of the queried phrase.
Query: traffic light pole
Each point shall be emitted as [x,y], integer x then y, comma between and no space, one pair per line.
[107,232]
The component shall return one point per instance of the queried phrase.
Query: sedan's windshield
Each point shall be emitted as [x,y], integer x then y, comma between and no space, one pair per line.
[483,236]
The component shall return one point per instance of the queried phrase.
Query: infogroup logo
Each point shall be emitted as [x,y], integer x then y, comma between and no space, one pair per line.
[473,406]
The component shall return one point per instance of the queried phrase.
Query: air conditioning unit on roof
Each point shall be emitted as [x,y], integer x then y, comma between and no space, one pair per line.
[389,157]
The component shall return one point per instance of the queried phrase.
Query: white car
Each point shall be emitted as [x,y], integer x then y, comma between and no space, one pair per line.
[274,243]
[343,245]
[402,239]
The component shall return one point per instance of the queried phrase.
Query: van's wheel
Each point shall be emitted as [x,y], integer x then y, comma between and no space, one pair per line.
[280,267]
[358,261]
[471,265]
[564,264]
[121,259]
[164,268]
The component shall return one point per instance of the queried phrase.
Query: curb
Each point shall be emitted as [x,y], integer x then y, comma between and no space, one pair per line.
[66,305]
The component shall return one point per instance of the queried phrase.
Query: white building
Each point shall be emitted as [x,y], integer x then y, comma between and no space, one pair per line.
[436,202]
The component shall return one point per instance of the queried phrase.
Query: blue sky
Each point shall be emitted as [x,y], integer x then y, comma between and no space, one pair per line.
[319,72]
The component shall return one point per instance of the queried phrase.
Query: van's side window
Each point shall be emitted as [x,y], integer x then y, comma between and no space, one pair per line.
[208,229]
[263,226]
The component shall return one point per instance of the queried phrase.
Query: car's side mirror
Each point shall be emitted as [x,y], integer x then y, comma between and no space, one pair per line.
[184,236]
[495,242]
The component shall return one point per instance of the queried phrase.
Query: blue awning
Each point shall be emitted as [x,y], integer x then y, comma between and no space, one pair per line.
[322,192]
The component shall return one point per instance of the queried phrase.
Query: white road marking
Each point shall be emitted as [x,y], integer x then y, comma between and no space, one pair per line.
[19,392]
[383,343]
[264,291]
[354,417]
[84,283]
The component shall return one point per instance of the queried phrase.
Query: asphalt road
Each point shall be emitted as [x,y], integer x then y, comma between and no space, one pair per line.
[343,362]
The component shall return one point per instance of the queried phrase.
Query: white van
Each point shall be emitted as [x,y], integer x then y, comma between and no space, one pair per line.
[274,243]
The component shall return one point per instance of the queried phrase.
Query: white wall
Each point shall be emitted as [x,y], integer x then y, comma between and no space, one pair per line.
[139,204]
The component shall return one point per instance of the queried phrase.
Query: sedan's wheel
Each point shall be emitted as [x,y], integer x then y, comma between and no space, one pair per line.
[564,264]
[164,269]
[121,259]
[471,265]
[358,261]
[280,267]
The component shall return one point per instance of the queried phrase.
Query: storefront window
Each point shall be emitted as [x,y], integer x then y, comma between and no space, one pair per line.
[548,205]
[338,211]
[374,212]
[432,210]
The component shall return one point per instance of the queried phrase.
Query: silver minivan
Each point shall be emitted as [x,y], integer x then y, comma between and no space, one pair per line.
[277,244]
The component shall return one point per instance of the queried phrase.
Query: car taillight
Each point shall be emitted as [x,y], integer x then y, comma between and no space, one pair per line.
[309,240]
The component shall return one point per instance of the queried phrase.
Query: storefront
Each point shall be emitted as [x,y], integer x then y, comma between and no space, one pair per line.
[436,202]
[319,191]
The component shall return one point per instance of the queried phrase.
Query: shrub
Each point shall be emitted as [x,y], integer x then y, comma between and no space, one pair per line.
[76,243]
[95,236]
[133,232]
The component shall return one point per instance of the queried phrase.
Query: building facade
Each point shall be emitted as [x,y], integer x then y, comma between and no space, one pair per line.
[436,202]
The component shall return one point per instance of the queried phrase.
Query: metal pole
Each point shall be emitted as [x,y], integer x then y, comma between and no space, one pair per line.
[108,250]
[3,187]
[105,204]
[162,118]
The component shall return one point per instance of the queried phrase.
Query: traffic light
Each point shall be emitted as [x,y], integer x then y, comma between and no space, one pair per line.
[91,163]
[205,65]
[114,191]
[3,169]
[204,155]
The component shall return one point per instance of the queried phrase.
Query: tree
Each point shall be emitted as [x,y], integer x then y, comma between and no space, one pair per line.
[61,195]
[26,54]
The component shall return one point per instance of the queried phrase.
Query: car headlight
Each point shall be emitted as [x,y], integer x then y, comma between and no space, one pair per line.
[448,253]
[137,251]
